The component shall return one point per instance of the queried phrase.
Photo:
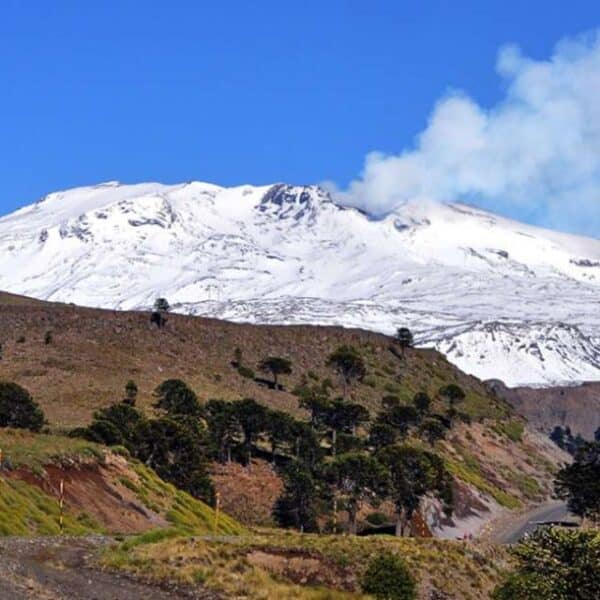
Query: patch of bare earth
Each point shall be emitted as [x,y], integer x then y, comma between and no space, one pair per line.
[96,490]
[248,494]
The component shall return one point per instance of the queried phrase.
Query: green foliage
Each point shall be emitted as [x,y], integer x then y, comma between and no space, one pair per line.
[177,453]
[162,305]
[404,337]
[388,578]
[114,425]
[297,505]
[413,474]
[348,363]
[131,392]
[422,402]
[565,440]
[18,409]
[579,482]
[223,428]
[555,564]
[377,519]
[252,419]
[355,477]
[432,430]
[276,365]
[453,393]
[177,399]
[472,476]
[382,435]
[512,429]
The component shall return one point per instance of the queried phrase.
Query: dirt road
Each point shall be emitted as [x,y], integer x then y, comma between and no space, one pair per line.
[50,568]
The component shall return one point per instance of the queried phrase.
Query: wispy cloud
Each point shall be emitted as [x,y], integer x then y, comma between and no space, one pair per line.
[535,152]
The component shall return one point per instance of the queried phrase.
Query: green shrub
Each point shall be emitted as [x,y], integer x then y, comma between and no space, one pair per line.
[377,518]
[387,578]
[18,409]
[554,563]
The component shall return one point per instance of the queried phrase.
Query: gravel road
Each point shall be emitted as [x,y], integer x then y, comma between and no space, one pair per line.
[63,568]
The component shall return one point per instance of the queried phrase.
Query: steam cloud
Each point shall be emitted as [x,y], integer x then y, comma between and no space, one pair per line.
[536,153]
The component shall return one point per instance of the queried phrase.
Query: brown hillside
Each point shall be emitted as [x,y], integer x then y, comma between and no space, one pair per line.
[94,352]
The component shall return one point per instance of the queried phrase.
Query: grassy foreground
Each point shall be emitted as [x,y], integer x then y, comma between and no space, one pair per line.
[277,564]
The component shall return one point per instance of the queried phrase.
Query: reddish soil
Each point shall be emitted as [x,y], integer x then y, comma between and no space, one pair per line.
[248,495]
[96,490]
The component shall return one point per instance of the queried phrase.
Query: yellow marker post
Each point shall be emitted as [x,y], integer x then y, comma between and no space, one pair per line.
[61,505]
[217,507]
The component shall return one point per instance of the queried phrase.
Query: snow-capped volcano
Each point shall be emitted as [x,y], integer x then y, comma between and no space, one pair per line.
[500,298]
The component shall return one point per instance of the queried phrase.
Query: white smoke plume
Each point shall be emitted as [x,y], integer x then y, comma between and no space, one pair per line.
[536,153]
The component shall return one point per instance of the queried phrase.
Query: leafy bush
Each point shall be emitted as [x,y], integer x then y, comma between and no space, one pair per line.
[377,518]
[556,563]
[387,578]
[18,409]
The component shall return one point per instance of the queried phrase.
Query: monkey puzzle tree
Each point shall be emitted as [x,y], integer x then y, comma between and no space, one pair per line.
[342,416]
[579,482]
[276,365]
[18,408]
[382,435]
[177,399]
[279,429]
[348,364]
[413,474]
[356,477]
[252,418]
[131,392]
[162,305]
[453,393]
[422,403]
[297,504]
[223,428]
[404,337]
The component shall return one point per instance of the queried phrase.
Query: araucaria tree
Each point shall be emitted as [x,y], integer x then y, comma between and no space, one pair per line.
[162,305]
[413,474]
[251,417]
[348,364]
[404,337]
[177,399]
[223,427]
[343,417]
[297,505]
[579,482]
[131,392]
[276,366]
[356,477]
[18,409]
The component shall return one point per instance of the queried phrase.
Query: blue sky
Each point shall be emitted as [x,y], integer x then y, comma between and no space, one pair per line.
[240,92]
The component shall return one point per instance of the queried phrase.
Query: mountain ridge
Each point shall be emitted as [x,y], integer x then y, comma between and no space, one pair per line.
[291,254]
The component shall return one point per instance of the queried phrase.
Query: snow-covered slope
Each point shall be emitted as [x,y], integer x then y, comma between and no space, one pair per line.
[500,298]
